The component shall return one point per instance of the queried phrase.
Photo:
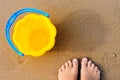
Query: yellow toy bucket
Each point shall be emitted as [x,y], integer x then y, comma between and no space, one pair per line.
[33,35]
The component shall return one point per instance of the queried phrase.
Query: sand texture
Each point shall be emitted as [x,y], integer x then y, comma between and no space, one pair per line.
[86,28]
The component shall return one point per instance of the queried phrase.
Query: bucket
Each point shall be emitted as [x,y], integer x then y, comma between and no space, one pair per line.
[33,35]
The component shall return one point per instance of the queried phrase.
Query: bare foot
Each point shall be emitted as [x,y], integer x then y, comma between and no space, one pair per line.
[69,70]
[89,71]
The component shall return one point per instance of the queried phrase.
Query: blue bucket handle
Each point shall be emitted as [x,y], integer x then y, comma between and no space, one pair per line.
[12,19]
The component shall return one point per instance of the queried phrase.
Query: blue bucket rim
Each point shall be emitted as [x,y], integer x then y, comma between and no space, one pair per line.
[12,19]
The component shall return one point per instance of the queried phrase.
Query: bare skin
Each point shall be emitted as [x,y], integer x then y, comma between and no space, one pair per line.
[89,71]
[69,70]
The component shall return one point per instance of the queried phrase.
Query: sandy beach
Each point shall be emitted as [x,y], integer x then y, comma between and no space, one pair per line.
[85,28]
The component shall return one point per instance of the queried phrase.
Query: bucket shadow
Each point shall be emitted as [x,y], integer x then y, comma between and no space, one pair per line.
[81,30]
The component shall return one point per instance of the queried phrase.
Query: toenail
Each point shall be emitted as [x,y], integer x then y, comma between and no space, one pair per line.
[93,65]
[84,59]
[69,61]
[75,60]
[66,64]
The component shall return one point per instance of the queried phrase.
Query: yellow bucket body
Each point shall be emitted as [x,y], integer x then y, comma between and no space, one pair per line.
[34,34]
